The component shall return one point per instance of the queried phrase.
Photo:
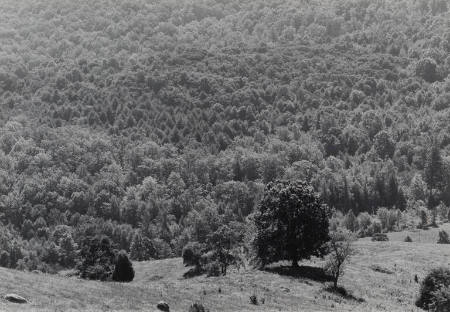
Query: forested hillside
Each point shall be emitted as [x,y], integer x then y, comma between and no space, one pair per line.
[155,122]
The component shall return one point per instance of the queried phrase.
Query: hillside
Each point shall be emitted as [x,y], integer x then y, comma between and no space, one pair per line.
[381,273]
[159,123]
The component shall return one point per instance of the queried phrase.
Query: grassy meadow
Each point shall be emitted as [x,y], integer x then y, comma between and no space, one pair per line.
[380,277]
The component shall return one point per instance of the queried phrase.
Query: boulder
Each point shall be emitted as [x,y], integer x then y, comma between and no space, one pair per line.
[15,298]
[163,306]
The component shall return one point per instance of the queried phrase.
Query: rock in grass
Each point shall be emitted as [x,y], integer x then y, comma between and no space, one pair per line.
[163,306]
[15,298]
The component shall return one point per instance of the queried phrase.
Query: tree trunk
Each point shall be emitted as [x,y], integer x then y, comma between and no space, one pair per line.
[294,263]
[335,281]
[430,198]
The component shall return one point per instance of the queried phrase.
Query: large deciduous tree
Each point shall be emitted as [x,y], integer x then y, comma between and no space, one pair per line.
[292,223]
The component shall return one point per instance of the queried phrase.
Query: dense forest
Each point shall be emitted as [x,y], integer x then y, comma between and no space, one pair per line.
[156,122]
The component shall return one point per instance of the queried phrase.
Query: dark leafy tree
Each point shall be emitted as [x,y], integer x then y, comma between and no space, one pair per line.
[192,254]
[384,145]
[292,223]
[224,246]
[97,258]
[123,269]
[433,171]
[142,248]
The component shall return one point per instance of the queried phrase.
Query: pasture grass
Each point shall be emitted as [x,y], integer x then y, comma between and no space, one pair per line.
[379,277]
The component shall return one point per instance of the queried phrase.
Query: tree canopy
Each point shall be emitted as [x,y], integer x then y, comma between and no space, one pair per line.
[155,123]
[292,223]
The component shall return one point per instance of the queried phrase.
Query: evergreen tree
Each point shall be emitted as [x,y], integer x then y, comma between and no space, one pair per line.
[433,171]
[351,222]
[123,270]
[393,192]
[141,248]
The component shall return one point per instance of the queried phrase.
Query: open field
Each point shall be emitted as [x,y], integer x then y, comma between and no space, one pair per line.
[381,273]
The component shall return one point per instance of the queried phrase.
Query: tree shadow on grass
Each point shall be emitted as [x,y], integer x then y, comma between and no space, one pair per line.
[193,272]
[309,272]
[342,292]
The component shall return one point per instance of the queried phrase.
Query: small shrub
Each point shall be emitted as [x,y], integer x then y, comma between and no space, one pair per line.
[365,224]
[423,219]
[380,237]
[351,222]
[408,239]
[375,227]
[443,237]
[340,249]
[4,258]
[433,289]
[197,307]
[213,269]
[192,254]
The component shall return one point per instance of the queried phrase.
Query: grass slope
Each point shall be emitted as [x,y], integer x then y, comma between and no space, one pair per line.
[381,273]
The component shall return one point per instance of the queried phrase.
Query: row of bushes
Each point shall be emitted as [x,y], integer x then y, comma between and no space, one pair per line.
[389,220]
[100,261]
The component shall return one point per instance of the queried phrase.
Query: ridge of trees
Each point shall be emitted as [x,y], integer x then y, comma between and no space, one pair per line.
[156,123]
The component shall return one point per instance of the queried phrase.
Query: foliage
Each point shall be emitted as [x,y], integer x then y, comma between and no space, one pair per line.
[443,237]
[142,248]
[339,252]
[224,247]
[213,268]
[433,288]
[292,223]
[221,250]
[441,299]
[197,307]
[365,224]
[433,171]
[123,269]
[426,68]
[98,259]
[192,254]
[140,121]
[380,237]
